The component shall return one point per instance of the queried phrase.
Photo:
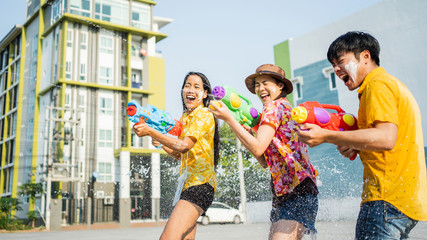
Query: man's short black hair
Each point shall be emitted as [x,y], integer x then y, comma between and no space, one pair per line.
[355,42]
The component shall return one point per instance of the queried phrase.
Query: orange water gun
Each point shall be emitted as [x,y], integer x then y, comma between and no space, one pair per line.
[316,113]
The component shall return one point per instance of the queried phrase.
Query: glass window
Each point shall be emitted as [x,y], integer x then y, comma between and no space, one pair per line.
[105,138]
[5,58]
[105,75]
[332,81]
[5,81]
[82,72]
[67,100]
[10,180]
[12,74]
[10,147]
[18,67]
[115,11]
[58,8]
[55,72]
[18,45]
[103,12]
[83,40]
[13,95]
[68,70]
[56,41]
[136,78]
[80,7]
[298,92]
[141,17]
[1,108]
[297,82]
[133,51]
[106,45]
[81,102]
[69,38]
[329,74]
[2,80]
[106,106]
[104,170]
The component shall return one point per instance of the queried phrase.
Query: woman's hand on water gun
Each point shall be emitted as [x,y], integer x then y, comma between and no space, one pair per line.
[141,129]
[220,110]
[311,134]
[249,129]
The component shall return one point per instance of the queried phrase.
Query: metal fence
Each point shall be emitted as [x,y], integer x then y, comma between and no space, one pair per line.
[75,211]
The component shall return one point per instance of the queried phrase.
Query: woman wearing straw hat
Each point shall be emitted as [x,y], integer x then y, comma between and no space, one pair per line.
[276,146]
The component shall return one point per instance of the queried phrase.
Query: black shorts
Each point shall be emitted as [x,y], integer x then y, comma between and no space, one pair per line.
[201,195]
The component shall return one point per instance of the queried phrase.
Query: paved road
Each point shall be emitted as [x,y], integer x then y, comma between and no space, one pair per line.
[327,231]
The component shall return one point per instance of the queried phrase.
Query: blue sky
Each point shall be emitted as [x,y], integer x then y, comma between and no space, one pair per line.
[226,40]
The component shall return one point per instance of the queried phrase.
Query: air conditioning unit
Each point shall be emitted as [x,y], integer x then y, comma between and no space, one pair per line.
[100,194]
[108,200]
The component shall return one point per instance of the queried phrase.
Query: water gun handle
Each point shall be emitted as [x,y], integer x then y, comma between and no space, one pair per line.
[333,107]
[339,110]
[141,121]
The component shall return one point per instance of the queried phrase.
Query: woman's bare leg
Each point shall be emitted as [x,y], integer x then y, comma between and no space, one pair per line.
[182,222]
[286,230]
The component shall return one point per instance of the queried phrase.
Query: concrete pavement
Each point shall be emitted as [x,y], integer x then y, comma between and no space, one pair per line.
[326,231]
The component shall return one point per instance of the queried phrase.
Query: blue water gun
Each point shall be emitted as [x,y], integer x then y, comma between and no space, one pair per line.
[155,118]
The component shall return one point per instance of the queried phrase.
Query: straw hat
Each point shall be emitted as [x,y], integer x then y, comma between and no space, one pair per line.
[272,70]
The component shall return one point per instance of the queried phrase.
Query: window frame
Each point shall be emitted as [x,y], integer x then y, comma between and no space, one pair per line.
[328,73]
[108,78]
[298,80]
[103,139]
[106,49]
[105,105]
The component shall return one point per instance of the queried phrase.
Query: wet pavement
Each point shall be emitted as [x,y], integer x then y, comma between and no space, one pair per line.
[341,230]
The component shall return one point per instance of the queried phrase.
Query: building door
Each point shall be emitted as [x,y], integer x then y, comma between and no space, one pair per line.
[140,189]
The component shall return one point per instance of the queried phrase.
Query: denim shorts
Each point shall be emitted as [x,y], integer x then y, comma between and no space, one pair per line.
[300,208]
[380,220]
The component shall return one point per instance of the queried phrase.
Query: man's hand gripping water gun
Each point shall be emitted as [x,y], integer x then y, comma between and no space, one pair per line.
[315,113]
[155,118]
[241,108]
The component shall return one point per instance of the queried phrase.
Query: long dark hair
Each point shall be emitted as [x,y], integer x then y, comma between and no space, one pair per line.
[206,87]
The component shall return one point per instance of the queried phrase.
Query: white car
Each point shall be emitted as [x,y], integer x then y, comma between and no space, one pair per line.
[221,213]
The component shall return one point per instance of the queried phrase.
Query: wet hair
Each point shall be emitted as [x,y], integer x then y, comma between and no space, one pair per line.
[355,42]
[206,87]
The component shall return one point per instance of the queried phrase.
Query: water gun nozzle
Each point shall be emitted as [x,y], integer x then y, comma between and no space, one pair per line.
[299,114]
[131,110]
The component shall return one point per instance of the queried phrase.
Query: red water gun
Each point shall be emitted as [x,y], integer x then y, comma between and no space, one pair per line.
[316,113]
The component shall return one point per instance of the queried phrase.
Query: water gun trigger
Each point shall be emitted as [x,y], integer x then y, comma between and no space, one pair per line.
[141,121]
[354,156]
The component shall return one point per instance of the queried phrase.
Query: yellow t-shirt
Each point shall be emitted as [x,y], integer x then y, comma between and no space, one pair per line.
[397,176]
[199,160]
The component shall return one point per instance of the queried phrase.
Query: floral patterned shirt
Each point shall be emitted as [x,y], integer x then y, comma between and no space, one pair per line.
[286,156]
[199,160]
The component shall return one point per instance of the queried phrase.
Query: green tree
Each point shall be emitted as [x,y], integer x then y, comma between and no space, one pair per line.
[7,206]
[256,178]
[31,190]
